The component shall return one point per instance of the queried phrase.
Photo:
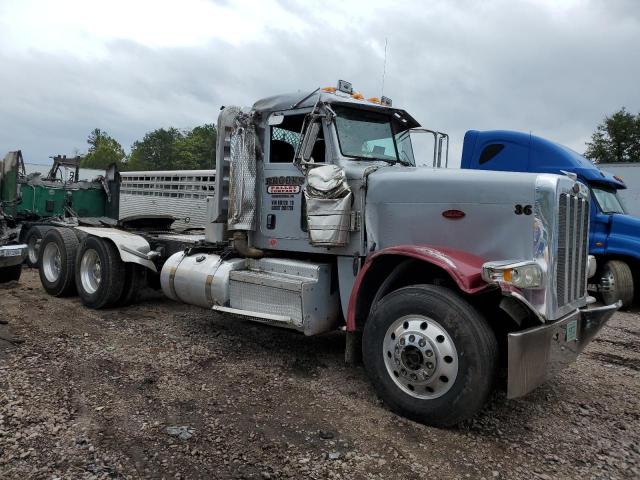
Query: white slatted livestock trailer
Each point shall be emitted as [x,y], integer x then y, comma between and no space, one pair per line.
[181,193]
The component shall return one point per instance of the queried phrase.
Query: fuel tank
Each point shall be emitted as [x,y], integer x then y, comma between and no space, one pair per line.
[201,279]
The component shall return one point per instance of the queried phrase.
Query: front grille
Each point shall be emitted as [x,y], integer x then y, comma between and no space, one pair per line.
[573,223]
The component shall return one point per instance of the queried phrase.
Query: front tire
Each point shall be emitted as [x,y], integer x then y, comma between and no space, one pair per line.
[100,273]
[430,355]
[56,261]
[618,280]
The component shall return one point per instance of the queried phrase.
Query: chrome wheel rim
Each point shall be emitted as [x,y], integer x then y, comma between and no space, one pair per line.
[32,249]
[608,282]
[90,271]
[420,356]
[51,262]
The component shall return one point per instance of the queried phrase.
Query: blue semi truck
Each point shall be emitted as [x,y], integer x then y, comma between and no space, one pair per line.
[614,235]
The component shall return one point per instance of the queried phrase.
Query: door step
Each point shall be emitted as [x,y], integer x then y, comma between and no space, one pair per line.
[247,313]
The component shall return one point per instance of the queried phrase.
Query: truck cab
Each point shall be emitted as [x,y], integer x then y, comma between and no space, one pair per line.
[614,236]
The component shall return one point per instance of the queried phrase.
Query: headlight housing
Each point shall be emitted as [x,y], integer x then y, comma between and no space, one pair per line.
[520,274]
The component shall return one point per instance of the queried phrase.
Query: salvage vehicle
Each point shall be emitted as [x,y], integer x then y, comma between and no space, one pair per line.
[320,220]
[614,234]
[33,203]
[12,252]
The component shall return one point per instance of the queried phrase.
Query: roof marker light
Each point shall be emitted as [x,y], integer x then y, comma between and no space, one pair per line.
[329,89]
[373,100]
[357,96]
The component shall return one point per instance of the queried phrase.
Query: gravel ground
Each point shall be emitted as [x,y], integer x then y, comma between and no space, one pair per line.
[162,390]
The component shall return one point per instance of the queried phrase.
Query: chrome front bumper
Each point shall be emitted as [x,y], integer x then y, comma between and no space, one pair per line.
[538,353]
[11,255]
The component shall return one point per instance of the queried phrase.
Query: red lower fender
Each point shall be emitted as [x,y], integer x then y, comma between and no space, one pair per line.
[464,268]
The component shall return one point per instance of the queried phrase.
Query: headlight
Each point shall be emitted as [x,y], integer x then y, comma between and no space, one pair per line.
[520,275]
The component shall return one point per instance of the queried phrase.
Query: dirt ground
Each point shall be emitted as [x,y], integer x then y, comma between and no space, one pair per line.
[98,394]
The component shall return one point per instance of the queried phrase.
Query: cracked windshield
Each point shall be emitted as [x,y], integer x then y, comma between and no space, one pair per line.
[365,135]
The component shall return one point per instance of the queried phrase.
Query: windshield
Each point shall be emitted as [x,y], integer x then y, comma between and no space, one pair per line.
[366,135]
[607,200]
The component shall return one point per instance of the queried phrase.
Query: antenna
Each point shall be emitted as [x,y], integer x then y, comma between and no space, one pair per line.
[384,67]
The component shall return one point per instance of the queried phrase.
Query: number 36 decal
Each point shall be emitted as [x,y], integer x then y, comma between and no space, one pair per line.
[523,209]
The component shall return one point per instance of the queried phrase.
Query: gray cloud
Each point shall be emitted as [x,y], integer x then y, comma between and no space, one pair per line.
[454,66]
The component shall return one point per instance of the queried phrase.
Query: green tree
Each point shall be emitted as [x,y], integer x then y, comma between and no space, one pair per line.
[197,148]
[103,151]
[172,149]
[156,151]
[617,139]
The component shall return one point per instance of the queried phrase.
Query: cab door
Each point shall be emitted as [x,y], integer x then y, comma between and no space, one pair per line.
[282,209]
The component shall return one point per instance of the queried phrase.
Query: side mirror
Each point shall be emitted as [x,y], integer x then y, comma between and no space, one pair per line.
[275,119]
[308,142]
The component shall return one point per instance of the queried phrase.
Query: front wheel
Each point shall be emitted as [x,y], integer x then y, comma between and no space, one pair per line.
[617,283]
[430,355]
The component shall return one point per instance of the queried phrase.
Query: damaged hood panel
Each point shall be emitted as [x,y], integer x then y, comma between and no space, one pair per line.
[410,206]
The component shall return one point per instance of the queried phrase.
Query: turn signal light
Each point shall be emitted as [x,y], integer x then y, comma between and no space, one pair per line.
[520,275]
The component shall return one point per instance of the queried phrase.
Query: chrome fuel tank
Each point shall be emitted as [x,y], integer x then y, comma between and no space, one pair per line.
[201,279]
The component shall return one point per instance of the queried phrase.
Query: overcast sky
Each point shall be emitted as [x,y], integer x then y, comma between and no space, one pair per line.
[552,67]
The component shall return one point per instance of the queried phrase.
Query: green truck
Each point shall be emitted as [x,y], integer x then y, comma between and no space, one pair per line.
[32,204]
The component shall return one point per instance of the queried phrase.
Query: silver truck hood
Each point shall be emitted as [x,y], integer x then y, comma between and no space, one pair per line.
[418,184]
[404,206]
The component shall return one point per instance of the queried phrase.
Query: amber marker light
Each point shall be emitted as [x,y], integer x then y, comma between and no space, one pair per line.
[507,275]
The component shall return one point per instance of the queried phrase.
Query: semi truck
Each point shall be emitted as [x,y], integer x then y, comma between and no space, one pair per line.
[321,221]
[614,234]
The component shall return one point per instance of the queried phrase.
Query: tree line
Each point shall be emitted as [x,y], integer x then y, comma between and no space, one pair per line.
[160,149]
[616,139]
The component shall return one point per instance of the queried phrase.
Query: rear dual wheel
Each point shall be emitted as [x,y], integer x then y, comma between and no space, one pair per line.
[430,355]
[92,268]
[33,239]
[56,261]
[102,279]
